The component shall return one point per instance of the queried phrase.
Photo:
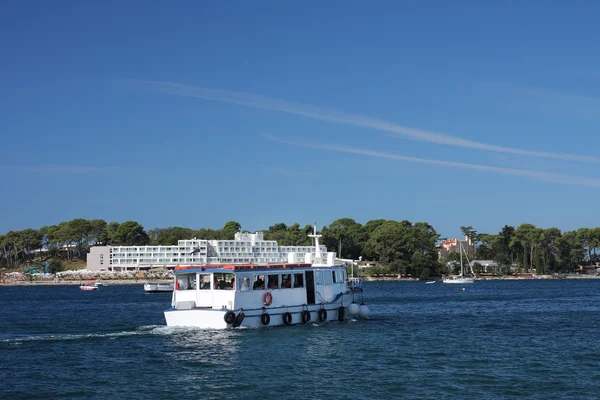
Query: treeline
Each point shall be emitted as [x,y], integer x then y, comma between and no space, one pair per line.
[397,247]
[529,248]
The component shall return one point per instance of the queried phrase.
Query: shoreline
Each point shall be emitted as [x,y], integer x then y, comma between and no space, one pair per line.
[107,282]
[110,282]
[489,278]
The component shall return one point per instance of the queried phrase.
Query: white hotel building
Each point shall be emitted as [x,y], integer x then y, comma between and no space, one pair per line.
[246,248]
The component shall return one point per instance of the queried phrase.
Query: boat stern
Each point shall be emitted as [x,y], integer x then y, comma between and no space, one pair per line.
[198,318]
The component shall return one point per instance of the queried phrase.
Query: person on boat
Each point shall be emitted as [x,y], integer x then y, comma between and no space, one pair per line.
[259,284]
[245,285]
[204,283]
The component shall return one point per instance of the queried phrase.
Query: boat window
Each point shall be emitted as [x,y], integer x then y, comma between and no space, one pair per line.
[328,278]
[259,282]
[334,276]
[224,281]
[286,281]
[244,283]
[186,282]
[298,280]
[319,277]
[273,281]
[204,281]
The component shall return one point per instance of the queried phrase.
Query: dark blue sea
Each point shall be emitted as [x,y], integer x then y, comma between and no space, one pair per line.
[493,340]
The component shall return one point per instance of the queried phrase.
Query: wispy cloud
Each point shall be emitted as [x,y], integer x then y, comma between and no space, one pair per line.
[55,169]
[334,116]
[536,175]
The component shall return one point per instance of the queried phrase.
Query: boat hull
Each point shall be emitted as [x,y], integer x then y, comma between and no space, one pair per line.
[207,318]
[158,287]
[459,281]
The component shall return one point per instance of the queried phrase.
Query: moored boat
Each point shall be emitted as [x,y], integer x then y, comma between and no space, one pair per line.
[249,295]
[88,286]
[150,287]
[461,279]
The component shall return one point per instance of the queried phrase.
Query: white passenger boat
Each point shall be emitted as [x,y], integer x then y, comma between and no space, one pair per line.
[249,295]
[150,287]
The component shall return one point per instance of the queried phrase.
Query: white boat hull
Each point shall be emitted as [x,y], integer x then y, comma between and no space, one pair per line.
[459,281]
[208,318]
[158,287]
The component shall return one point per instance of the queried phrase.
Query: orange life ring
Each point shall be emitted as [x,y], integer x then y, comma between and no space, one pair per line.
[267,299]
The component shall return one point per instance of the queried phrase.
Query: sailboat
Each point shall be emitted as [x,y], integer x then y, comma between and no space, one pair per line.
[462,278]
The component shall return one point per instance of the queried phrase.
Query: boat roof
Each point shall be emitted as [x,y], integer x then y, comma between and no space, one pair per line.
[230,268]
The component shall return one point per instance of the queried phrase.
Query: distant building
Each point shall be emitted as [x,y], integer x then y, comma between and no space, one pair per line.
[246,248]
[487,265]
[453,246]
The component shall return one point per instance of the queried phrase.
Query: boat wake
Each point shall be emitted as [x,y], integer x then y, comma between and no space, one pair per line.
[60,337]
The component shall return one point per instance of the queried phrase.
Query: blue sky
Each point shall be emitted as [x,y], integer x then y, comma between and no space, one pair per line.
[196,113]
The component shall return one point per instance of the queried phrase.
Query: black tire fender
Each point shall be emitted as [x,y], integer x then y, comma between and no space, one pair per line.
[265,318]
[238,319]
[287,318]
[341,313]
[305,316]
[229,317]
[322,315]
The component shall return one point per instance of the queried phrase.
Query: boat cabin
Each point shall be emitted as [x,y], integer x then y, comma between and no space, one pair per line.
[244,286]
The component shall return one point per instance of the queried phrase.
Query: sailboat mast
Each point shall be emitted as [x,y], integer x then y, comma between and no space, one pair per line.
[461,261]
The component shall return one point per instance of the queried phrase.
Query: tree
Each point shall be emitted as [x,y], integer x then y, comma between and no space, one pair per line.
[131,233]
[169,236]
[111,232]
[81,231]
[388,242]
[345,235]
[585,236]
[55,265]
[31,240]
[505,252]
[570,250]
[549,251]
[98,231]
[528,236]
[487,247]
[469,232]
[230,229]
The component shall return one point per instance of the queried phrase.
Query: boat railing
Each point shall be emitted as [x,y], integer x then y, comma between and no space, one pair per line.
[355,283]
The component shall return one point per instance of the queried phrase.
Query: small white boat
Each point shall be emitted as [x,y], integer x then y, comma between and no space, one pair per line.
[150,287]
[98,284]
[88,286]
[460,280]
[429,282]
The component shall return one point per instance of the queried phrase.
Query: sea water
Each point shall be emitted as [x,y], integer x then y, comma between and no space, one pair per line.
[489,340]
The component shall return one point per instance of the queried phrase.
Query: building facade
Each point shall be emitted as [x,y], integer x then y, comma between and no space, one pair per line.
[246,248]
[453,246]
